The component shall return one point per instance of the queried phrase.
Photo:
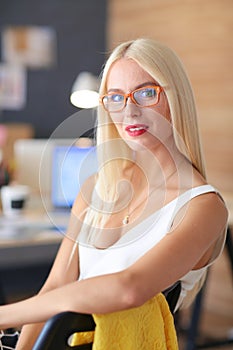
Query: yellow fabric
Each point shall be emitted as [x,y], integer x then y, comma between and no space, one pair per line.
[82,338]
[148,327]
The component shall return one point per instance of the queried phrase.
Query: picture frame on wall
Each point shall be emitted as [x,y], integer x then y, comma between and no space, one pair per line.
[31,46]
[12,87]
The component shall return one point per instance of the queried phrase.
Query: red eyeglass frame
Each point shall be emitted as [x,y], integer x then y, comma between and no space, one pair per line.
[158,88]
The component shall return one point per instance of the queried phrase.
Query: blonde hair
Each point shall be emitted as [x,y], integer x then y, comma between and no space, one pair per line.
[165,67]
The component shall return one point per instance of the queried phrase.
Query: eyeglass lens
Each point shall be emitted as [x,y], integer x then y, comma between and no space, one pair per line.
[145,97]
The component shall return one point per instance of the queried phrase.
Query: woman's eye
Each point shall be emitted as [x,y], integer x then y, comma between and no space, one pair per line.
[117,98]
[148,93]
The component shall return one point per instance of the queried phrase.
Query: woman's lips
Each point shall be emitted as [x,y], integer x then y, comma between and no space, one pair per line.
[136,129]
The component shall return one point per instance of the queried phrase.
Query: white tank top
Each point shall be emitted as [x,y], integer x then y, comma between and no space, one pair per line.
[140,239]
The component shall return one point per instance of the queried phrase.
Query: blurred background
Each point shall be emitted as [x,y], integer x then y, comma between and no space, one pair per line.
[81,35]
[45,45]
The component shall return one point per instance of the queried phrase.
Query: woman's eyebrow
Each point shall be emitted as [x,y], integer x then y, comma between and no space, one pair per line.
[136,87]
[152,83]
[115,90]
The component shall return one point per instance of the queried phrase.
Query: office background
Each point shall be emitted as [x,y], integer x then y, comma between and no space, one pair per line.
[79,28]
[199,31]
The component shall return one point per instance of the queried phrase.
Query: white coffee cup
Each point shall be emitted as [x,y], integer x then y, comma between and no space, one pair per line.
[13,199]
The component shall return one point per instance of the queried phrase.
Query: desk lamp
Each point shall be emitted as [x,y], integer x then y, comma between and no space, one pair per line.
[84,92]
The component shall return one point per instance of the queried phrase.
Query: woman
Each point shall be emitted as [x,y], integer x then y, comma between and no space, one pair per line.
[149,218]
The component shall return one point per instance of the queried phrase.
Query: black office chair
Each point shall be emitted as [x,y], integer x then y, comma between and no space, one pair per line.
[58,330]
[2,293]
[193,332]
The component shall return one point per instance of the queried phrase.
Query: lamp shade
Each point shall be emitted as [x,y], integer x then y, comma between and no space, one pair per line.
[84,92]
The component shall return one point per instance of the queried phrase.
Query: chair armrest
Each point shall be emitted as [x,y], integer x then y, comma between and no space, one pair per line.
[60,327]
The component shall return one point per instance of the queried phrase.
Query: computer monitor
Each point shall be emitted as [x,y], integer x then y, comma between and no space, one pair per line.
[71,166]
[33,159]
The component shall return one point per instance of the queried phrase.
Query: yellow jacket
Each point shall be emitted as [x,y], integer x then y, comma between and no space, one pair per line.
[148,327]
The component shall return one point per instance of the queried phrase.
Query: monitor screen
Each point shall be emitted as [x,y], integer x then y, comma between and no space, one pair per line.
[71,166]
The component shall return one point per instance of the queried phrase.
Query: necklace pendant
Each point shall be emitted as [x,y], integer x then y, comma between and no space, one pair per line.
[125,221]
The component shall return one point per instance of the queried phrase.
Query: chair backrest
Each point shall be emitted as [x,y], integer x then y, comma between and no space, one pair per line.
[2,296]
[172,295]
[59,328]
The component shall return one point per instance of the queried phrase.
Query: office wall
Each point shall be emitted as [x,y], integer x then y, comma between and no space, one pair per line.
[80,31]
[201,34]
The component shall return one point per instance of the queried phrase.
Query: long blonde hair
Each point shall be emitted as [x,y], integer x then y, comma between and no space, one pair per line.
[165,67]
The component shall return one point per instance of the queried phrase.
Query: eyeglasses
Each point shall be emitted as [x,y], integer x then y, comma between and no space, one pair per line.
[146,96]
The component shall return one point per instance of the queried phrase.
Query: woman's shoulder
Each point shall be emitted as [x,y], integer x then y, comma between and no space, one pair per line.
[201,203]
[83,198]
[205,208]
[208,196]
[211,202]
[202,191]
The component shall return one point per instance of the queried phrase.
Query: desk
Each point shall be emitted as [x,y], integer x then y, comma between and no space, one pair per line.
[40,248]
[27,250]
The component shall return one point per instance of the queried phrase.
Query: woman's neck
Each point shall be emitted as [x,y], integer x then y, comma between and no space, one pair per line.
[159,164]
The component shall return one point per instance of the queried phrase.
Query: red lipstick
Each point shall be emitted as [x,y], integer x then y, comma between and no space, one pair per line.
[136,129]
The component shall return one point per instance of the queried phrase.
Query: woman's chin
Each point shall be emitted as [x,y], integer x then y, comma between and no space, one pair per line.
[136,145]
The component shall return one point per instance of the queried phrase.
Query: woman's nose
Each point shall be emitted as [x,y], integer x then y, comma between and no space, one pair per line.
[131,109]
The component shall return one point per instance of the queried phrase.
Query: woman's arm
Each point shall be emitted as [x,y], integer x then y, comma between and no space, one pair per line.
[173,257]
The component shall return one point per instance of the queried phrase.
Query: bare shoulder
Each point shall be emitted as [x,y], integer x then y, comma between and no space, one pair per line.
[84,196]
[206,212]
[200,225]
[87,188]
[207,208]
[211,203]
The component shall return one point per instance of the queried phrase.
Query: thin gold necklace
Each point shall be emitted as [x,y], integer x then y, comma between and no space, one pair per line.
[126,218]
